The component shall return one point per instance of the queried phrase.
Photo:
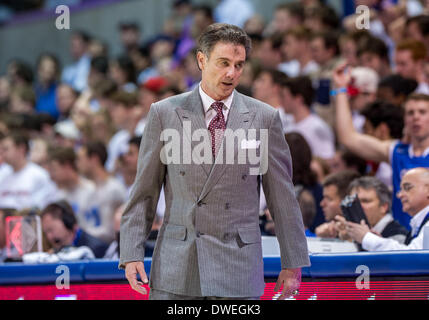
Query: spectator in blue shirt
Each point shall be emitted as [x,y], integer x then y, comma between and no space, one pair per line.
[48,70]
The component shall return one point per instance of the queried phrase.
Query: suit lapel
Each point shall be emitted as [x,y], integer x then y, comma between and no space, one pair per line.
[239,117]
[192,113]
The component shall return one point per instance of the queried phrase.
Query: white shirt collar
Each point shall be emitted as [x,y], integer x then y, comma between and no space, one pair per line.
[382,223]
[417,220]
[411,152]
[208,101]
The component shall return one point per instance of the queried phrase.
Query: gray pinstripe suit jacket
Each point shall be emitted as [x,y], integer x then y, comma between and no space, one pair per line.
[210,241]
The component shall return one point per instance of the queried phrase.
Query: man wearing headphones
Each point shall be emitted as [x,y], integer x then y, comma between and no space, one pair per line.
[60,227]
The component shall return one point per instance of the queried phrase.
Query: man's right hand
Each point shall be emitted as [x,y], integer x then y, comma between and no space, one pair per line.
[131,271]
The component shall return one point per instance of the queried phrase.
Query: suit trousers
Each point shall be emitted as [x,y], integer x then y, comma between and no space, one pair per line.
[164,295]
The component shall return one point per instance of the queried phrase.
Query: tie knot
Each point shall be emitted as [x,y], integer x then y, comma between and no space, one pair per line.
[217,106]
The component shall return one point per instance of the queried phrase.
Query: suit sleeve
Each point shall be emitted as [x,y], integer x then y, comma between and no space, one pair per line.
[281,201]
[140,209]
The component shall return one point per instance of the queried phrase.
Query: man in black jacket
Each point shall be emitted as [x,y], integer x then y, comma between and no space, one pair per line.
[375,199]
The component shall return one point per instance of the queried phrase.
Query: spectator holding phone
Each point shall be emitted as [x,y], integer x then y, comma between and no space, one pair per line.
[375,199]
[414,195]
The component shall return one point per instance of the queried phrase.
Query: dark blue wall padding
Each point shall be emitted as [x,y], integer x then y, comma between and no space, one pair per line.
[382,264]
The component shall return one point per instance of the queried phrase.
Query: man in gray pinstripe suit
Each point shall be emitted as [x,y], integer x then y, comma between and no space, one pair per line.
[209,245]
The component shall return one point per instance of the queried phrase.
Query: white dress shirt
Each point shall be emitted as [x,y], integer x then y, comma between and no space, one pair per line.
[209,112]
[372,242]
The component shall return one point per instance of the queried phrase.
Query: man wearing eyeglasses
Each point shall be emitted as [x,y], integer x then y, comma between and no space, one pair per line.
[414,195]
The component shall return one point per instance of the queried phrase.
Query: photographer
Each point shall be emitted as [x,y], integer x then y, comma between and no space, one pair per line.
[375,199]
[414,195]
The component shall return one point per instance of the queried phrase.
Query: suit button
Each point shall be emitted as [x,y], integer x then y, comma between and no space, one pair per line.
[244,176]
[226,236]
[227,206]
[199,203]
[182,173]
[199,234]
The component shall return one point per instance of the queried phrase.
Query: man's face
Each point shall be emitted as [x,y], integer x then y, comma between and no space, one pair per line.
[65,98]
[405,65]
[222,70]
[11,152]
[288,100]
[290,47]
[413,193]
[371,60]
[129,37]
[417,119]
[131,157]
[331,202]
[57,172]
[119,115]
[56,233]
[263,87]
[83,162]
[371,205]
[320,54]
[282,20]
[77,47]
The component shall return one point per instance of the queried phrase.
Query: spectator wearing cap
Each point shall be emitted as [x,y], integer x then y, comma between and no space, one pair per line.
[76,74]
[362,91]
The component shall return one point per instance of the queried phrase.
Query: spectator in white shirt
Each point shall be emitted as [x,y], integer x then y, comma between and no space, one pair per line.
[297,97]
[109,194]
[75,189]
[27,185]
[414,195]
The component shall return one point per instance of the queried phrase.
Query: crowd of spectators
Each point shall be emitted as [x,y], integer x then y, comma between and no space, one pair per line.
[354,105]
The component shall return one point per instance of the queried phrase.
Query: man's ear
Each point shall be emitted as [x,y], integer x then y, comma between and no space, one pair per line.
[201,60]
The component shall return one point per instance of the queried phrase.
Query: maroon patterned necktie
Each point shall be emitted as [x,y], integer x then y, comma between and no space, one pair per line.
[217,127]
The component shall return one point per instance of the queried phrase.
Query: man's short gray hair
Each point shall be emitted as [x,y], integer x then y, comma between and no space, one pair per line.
[383,193]
[222,32]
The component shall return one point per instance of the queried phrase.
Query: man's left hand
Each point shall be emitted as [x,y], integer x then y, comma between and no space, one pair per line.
[357,231]
[291,281]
